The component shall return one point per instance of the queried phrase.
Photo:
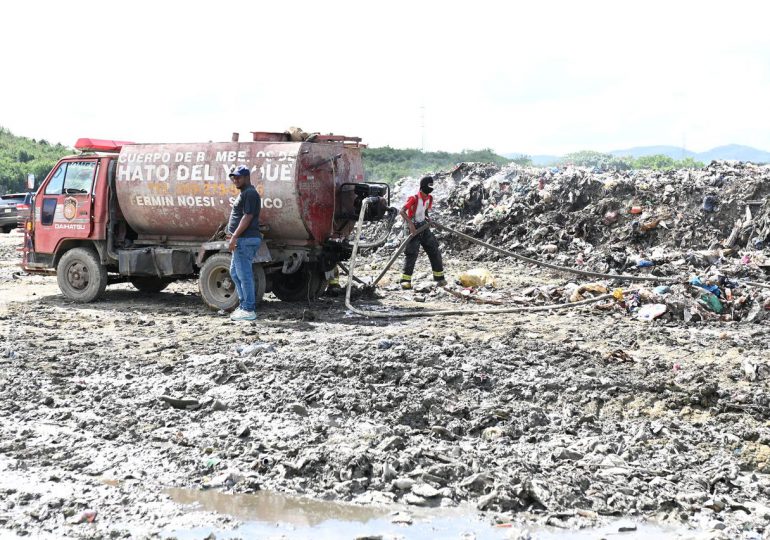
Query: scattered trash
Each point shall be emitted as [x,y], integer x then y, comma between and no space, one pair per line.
[610,217]
[255,348]
[711,302]
[226,479]
[713,289]
[579,293]
[180,403]
[477,277]
[619,355]
[649,312]
[86,516]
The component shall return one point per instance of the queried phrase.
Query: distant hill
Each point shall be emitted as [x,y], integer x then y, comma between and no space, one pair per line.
[730,151]
[673,152]
[540,160]
[735,151]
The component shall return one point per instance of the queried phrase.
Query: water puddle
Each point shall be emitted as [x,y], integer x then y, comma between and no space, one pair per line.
[271,516]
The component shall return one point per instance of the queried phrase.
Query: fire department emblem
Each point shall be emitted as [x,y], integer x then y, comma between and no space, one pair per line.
[70,208]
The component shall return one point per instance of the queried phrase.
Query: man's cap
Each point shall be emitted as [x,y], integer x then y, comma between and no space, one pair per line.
[425,181]
[240,170]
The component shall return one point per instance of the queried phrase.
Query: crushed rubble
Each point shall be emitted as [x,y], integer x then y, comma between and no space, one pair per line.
[654,405]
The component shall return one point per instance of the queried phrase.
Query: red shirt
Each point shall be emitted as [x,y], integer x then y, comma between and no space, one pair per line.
[411,203]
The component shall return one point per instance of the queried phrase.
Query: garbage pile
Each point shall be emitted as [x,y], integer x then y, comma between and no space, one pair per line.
[724,204]
[710,227]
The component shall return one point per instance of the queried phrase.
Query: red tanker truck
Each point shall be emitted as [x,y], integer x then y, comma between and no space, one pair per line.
[151,214]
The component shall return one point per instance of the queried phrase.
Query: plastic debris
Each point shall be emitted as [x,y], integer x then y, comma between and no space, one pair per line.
[477,277]
[649,312]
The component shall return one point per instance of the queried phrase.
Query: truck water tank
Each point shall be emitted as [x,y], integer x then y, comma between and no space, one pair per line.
[183,191]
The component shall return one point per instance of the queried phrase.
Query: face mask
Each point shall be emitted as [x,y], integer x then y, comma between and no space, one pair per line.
[427,190]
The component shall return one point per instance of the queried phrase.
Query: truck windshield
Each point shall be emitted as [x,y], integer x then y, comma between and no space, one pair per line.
[74,177]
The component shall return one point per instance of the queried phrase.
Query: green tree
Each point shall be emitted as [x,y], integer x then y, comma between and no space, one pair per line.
[20,156]
[662,162]
[689,163]
[590,158]
[386,164]
[657,161]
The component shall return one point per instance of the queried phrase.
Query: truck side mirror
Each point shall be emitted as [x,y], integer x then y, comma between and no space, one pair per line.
[30,182]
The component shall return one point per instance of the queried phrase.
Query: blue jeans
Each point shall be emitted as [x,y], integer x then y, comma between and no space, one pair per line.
[242,273]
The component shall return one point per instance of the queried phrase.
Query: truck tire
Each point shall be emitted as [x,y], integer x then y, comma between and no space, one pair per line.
[150,284]
[217,288]
[303,285]
[80,275]
[7,228]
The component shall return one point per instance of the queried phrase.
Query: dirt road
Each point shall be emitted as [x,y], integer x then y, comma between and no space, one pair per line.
[562,419]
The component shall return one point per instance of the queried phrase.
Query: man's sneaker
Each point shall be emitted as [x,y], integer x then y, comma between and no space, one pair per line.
[441,282]
[241,315]
[406,285]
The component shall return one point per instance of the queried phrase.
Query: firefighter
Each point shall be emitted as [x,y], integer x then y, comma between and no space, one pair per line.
[415,215]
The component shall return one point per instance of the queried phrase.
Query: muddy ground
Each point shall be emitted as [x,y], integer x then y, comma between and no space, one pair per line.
[565,418]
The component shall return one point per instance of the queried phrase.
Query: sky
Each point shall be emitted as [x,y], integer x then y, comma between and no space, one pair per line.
[545,77]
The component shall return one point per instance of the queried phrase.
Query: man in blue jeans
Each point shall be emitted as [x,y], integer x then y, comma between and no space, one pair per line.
[244,242]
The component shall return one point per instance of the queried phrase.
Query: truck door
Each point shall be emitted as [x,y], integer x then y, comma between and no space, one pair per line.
[64,206]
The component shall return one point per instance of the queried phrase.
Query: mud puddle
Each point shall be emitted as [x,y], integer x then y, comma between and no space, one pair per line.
[275,516]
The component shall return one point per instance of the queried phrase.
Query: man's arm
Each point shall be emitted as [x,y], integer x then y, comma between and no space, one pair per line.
[411,201]
[410,224]
[242,226]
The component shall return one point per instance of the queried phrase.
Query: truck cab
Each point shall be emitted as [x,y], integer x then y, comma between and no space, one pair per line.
[69,210]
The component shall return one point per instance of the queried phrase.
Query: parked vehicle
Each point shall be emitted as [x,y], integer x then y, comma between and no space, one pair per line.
[9,212]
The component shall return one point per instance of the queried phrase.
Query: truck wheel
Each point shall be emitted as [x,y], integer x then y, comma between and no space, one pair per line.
[7,228]
[80,275]
[150,284]
[302,285]
[218,289]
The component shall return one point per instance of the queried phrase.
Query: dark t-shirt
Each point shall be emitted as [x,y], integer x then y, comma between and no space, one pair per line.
[247,202]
